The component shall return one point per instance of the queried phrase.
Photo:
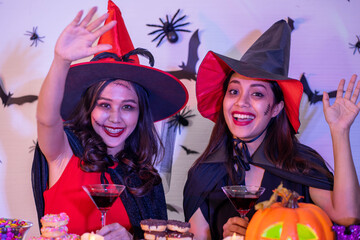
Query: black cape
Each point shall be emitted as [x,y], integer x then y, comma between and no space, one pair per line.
[203,187]
[152,205]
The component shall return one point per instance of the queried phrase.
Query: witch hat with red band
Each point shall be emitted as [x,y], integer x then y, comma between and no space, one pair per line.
[167,95]
[266,59]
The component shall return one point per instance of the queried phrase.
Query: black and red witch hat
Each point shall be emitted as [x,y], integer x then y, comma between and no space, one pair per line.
[266,59]
[167,95]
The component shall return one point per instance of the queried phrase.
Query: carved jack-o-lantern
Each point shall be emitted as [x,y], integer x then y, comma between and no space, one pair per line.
[289,220]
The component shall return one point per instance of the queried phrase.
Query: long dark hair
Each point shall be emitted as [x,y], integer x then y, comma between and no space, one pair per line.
[139,153]
[281,146]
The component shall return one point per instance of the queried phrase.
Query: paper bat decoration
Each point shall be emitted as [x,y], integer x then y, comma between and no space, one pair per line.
[314,97]
[188,71]
[7,99]
[290,21]
[189,151]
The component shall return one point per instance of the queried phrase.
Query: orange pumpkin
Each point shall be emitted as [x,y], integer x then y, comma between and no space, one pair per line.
[289,220]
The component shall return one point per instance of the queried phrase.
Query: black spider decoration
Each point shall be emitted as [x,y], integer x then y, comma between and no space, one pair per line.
[34,37]
[168,29]
[356,46]
[180,119]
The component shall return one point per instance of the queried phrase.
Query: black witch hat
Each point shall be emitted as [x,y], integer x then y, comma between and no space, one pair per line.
[267,59]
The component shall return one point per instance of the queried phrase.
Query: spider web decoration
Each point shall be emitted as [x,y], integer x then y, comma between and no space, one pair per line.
[355,46]
[34,37]
[180,119]
[164,166]
[168,29]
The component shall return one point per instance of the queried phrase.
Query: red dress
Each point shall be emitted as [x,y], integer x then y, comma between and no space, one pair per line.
[67,195]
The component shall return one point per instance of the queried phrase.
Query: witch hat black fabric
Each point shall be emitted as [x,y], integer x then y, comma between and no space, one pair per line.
[267,59]
[167,95]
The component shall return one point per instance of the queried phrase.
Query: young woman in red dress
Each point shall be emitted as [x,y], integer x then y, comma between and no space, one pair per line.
[95,124]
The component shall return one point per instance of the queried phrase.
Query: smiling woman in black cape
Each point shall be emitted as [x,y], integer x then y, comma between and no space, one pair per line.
[109,106]
[255,107]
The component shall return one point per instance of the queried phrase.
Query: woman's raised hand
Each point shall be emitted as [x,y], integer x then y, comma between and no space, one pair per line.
[343,112]
[76,41]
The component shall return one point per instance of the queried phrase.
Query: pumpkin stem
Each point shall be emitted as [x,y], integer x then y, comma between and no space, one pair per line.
[289,198]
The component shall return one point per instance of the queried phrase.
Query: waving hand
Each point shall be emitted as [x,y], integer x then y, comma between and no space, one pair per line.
[345,109]
[76,41]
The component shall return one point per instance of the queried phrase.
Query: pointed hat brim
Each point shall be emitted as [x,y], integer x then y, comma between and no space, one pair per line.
[167,95]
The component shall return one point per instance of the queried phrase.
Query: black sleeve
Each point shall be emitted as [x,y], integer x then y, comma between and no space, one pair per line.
[201,180]
[39,180]
[205,210]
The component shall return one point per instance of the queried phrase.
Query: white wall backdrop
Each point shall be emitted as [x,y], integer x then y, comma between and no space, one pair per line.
[320,48]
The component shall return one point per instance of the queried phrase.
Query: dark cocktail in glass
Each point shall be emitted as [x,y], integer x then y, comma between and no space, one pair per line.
[103,196]
[243,197]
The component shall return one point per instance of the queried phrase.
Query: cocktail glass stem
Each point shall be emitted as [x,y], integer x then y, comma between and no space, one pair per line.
[103,217]
[242,215]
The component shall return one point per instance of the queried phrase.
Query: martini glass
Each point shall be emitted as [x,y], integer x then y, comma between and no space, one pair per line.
[103,196]
[243,197]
